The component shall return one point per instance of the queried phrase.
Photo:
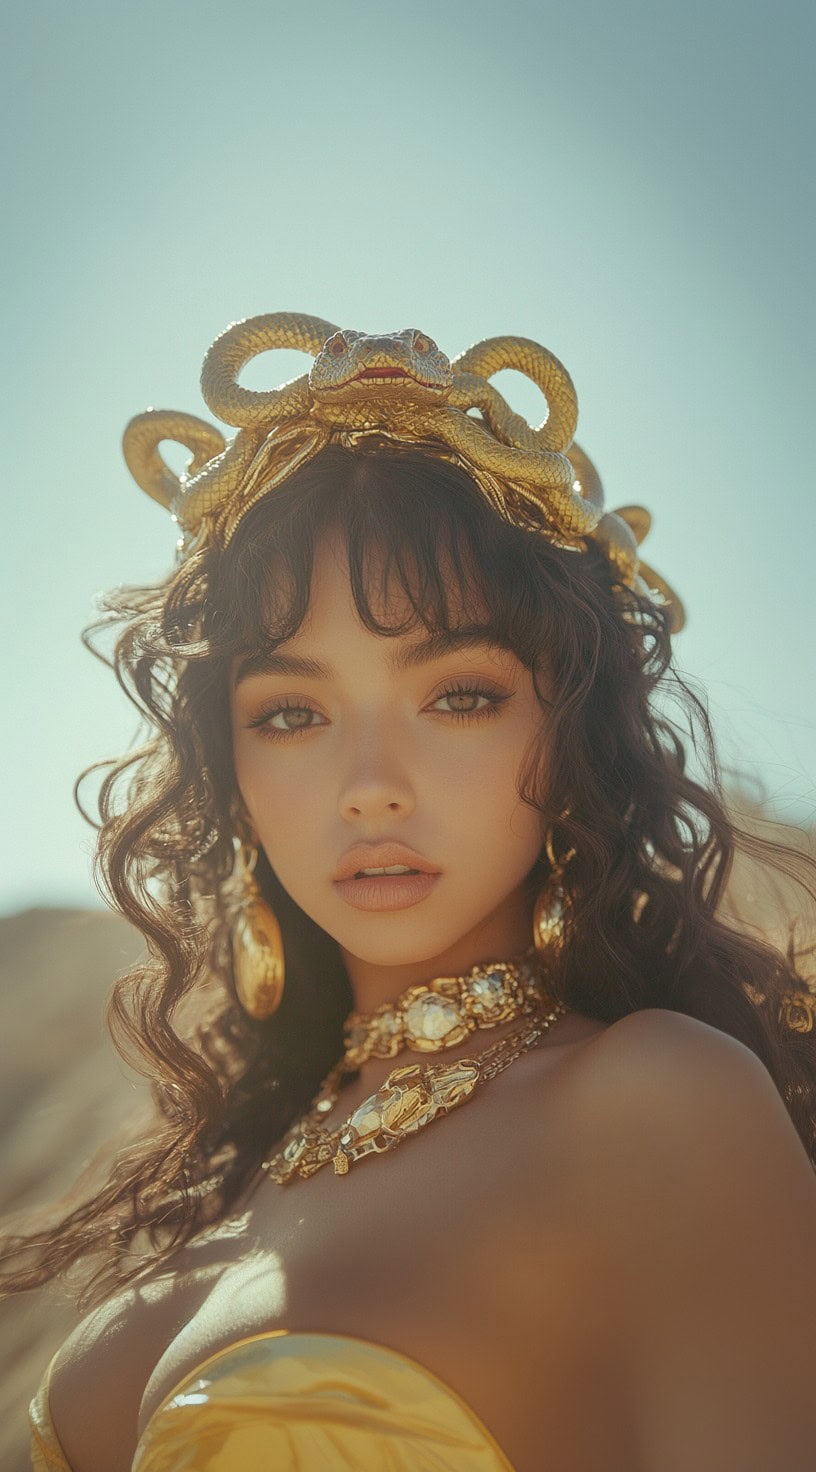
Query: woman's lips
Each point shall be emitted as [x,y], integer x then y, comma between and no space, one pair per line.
[386,891]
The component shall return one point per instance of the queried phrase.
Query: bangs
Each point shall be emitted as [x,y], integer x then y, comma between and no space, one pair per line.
[412,525]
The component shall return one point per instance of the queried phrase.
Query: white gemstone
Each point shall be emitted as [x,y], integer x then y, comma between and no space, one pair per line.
[490,986]
[431,1017]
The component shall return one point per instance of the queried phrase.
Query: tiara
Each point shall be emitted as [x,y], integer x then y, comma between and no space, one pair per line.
[394,387]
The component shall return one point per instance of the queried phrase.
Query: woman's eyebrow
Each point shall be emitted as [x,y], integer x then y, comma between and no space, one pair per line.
[407,656]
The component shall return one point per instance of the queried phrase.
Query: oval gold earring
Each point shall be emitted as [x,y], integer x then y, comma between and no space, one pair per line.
[257,944]
[551,906]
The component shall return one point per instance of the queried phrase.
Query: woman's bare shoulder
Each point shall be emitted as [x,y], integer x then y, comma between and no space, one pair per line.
[703,1204]
[659,1110]
[655,1046]
[601,1062]
[631,1096]
[636,1076]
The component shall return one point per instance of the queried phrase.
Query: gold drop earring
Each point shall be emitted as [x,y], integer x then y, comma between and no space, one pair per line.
[551,906]
[257,943]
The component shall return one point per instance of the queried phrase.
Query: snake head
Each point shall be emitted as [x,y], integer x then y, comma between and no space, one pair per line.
[389,370]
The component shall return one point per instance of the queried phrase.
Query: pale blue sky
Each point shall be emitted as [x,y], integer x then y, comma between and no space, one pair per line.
[630,184]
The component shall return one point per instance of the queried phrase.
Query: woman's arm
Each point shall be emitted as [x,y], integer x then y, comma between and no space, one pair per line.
[706,1213]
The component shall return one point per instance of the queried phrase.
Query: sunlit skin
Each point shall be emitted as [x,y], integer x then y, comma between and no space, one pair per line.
[381,754]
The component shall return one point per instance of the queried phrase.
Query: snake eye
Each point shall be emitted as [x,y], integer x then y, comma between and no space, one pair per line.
[423,344]
[337,345]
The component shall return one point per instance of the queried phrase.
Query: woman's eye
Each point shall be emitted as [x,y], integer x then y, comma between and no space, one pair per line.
[283,720]
[463,701]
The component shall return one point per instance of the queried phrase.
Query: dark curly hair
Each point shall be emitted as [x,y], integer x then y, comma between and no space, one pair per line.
[653,846]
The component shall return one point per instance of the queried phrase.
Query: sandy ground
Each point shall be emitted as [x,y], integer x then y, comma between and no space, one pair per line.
[63,1090]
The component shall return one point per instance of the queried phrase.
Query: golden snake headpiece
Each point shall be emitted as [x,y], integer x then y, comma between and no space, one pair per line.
[397,386]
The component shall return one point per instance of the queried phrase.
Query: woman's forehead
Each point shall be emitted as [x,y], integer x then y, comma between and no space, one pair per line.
[409,629]
[390,584]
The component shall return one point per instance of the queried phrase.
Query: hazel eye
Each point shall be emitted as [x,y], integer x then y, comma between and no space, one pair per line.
[338,346]
[423,344]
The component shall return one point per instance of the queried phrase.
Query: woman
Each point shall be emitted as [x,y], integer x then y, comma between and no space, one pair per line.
[409,793]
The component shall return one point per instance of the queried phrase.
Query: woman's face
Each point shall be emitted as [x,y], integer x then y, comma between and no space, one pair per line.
[385,744]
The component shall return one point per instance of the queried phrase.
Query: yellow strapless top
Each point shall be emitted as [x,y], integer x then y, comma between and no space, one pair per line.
[289,1402]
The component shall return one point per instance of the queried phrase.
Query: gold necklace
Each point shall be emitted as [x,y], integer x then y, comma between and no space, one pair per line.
[441,1013]
[414,1095]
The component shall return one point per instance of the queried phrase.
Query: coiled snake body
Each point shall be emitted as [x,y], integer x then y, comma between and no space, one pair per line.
[398,383]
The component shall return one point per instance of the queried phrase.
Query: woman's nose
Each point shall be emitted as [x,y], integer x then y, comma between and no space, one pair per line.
[376,783]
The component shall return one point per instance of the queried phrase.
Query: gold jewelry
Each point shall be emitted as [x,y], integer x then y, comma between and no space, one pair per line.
[549,914]
[797,1010]
[442,1013]
[431,1016]
[411,1098]
[398,387]
[257,944]
[552,904]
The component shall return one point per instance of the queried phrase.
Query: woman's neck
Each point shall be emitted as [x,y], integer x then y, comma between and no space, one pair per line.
[506,932]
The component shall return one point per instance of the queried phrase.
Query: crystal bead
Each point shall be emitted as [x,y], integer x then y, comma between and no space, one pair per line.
[387,1032]
[488,988]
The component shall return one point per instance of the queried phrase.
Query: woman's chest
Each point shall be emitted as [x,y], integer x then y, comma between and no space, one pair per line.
[413,1247]
[448,1251]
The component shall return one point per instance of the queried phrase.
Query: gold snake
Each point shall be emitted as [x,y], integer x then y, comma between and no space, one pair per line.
[397,384]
